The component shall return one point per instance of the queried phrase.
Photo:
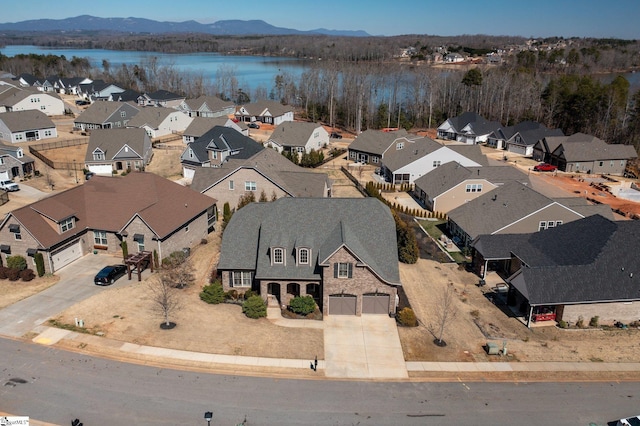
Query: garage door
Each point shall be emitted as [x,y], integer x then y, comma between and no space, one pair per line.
[342,304]
[188,173]
[375,304]
[64,256]
[103,169]
[518,149]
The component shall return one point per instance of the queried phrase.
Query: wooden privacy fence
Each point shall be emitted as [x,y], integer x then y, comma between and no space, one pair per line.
[65,165]
[4,197]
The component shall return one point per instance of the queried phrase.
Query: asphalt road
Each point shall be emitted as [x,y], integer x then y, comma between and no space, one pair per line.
[60,386]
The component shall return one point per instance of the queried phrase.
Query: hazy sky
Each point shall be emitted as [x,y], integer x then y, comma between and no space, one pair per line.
[581,18]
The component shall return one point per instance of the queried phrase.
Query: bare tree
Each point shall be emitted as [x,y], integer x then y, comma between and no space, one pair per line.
[444,312]
[165,297]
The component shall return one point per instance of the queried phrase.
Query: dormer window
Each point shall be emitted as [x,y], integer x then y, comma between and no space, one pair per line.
[66,224]
[278,256]
[303,256]
[98,155]
[399,145]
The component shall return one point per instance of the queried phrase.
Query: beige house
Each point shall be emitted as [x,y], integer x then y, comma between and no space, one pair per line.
[451,184]
[159,121]
[265,172]
[104,212]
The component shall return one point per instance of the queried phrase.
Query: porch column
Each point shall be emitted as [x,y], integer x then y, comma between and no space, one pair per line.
[484,271]
[530,315]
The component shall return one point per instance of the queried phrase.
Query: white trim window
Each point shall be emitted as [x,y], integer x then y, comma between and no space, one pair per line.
[250,185]
[100,238]
[278,256]
[241,279]
[473,187]
[66,224]
[437,163]
[303,256]
[231,185]
[343,270]
[98,155]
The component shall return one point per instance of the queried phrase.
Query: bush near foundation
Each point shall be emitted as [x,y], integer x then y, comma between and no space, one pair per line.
[302,305]
[254,307]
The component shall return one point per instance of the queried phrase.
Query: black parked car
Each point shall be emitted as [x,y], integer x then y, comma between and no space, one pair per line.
[335,135]
[253,125]
[109,274]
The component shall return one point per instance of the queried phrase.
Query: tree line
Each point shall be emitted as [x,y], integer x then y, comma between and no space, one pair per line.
[360,95]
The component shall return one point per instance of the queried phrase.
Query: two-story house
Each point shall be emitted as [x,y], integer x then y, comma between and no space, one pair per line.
[370,146]
[14,162]
[340,251]
[521,138]
[161,98]
[268,112]
[117,150]
[201,125]
[29,99]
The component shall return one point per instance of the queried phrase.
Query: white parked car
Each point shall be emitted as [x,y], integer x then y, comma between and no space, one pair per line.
[8,185]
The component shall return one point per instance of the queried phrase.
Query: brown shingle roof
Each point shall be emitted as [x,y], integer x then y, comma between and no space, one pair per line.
[109,203]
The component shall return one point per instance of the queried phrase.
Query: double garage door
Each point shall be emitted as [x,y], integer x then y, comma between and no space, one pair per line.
[345,304]
[65,255]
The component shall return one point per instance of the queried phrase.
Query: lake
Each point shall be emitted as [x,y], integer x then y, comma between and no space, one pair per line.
[251,71]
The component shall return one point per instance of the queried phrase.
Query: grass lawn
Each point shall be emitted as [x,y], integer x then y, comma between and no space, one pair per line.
[435,228]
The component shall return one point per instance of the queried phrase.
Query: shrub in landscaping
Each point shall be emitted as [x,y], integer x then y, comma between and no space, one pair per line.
[580,322]
[3,272]
[254,307]
[13,274]
[562,324]
[39,259]
[302,305]
[17,262]
[249,293]
[232,294]
[125,249]
[174,259]
[407,318]
[212,293]
[27,275]
[594,321]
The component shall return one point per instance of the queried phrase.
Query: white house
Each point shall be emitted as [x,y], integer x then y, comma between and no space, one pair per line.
[297,136]
[23,126]
[411,159]
[469,127]
[159,121]
[25,99]
[268,112]
[201,125]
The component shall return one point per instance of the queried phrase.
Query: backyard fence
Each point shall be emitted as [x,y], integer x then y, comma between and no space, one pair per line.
[35,150]
[4,197]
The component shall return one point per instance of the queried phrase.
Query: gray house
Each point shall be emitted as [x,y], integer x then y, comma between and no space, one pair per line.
[207,106]
[201,125]
[117,150]
[370,146]
[268,112]
[521,138]
[14,163]
[581,153]
[105,115]
[585,268]
[298,137]
[469,127]
[340,251]
[514,208]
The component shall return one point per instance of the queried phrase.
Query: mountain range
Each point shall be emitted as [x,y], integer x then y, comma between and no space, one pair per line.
[141,25]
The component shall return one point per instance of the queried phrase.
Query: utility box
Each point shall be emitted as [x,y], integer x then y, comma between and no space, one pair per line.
[492,348]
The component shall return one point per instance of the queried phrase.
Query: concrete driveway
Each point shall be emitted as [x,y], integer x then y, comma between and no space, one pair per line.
[366,347]
[75,285]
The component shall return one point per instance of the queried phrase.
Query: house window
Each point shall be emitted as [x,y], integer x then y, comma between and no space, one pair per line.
[19,136]
[1,160]
[48,133]
[542,226]
[249,186]
[558,222]
[375,159]
[611,163]
[278,255]
[399,145]
[475,187]
[123,114]
[66,224]
[602,163]
[621,161]
[98,155]
[241,279]
[186,228]
[343,270]
[352,154]
[437,163]
[231,185]
[214,155]
[100,238]
[42,107]
[17,236]
[303,256]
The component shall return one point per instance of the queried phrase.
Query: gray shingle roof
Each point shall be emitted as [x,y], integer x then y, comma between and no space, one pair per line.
[201,125]
[111,141]
[212,103]
[479,125]
[472,152]
[150,116]
[19,121]
[225,138]
[451,174]
[377,141]
[293,133]
[99,112]
[587,260]
[364,226]
[259,108]
[412,150]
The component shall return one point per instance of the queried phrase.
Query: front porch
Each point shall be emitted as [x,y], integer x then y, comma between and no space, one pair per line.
[283,291]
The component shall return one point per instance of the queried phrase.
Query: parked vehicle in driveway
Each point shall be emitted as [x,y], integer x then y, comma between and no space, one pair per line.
[109,274]
[8,185]
[253,125]
[335,135]
[545,167]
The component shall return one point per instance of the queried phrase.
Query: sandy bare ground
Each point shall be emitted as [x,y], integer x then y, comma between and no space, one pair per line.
[478,321]
[129,314]
[14,291]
